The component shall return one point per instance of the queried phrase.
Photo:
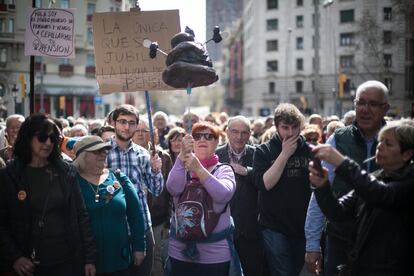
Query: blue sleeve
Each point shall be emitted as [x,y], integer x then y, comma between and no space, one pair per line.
[135,215]
[313,226]
[154,182]
[315,219]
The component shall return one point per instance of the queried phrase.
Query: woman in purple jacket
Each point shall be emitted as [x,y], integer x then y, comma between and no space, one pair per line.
[211,256]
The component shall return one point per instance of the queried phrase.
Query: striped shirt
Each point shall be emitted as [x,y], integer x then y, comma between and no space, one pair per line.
[135,163]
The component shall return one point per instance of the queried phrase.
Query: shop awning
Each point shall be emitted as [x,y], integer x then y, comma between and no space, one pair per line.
[66,90]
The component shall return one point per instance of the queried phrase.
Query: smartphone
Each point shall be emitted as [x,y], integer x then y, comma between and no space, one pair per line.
[316,161]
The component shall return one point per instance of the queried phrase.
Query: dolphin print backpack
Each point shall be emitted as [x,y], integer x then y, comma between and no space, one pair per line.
[194,215]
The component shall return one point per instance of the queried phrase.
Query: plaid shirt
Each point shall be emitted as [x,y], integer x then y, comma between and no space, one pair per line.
[135,163]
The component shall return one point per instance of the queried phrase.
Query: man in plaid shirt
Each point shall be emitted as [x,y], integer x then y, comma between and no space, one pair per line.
[143,170]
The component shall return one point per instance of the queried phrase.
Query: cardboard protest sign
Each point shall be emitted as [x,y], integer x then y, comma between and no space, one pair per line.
[50,33]
[122,62]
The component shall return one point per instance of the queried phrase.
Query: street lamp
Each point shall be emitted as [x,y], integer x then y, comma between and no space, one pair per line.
[14,95]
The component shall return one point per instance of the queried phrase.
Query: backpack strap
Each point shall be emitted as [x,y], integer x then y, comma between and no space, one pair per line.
[213,171]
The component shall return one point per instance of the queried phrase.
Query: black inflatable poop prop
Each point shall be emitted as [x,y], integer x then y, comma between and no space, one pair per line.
[153,49]
[189,31]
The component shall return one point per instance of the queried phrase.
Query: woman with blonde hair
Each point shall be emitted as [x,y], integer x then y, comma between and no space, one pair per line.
[113,207]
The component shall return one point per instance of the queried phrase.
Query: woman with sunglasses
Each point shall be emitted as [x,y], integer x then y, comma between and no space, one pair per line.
[382,240]
[44,225]
[198,158]
[113,205]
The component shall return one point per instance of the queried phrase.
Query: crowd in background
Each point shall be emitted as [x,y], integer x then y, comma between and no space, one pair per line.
[273,194]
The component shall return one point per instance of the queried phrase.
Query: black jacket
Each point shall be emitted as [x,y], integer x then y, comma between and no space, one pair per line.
[243,205]
[382,239]
[15,217]
[283,208]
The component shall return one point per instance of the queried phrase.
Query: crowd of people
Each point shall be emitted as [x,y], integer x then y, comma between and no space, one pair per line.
[111,197]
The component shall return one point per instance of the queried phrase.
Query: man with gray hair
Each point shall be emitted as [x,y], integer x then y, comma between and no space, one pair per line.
[247,236]
[357,141]
[161,123]
[13,123]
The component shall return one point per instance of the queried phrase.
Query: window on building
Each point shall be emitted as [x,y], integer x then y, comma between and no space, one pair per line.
[3,55]
[387,14]
[64,61]
[11,25]
[346,39]
[387,37]
[299,64]
[64,4]
[38,3]
[387,60]
[299,86]
[299,43]
[299,3]
[90,60]
[272,4]
[272,87]
[272,66]
[89,36]
[299,21]
[272,24]
[272,45]
[91,8]
[346,61]
[2,25]
[388,84]
[346,16]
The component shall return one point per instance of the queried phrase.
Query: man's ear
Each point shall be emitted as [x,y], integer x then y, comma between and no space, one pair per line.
[408,155]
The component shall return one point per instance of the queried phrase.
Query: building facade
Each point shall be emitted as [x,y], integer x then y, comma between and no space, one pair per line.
[63,87]
[358,40]
[220,13]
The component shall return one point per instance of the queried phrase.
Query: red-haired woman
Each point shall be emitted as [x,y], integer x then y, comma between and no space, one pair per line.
[212,255]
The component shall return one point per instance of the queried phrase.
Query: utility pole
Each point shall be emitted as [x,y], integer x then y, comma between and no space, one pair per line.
[317,77]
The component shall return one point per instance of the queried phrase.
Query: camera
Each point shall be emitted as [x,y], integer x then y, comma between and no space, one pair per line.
[316,161]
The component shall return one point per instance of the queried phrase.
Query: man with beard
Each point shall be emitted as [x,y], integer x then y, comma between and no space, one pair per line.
[142,169]
[358,141]
[281,174]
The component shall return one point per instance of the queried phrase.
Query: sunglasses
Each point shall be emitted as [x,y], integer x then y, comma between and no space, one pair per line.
[43,137]
[207,136]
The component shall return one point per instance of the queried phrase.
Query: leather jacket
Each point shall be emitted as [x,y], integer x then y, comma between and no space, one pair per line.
[382,237]
[15,217]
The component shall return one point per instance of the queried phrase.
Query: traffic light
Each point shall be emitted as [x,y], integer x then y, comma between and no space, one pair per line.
[341,82]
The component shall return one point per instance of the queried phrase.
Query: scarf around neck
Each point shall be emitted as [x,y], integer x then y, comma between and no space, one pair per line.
[206,163]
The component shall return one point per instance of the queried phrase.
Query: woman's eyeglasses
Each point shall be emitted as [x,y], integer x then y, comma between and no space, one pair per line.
[43,138]
[207,136]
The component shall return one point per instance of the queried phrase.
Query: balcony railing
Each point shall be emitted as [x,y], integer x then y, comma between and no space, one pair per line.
[65,70]
[90,71]
[12,7]
[39,67]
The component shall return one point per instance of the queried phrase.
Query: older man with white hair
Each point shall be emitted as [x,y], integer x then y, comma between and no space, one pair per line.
[13,123]
[244,210]
[357,141]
